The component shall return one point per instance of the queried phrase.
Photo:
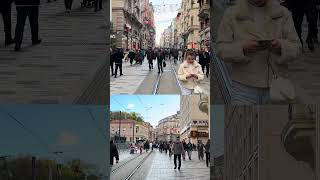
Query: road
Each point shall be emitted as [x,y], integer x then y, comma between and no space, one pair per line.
[69,66]
[159,166]
[138,79]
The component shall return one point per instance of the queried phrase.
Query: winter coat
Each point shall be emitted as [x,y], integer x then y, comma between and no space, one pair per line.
[118,57]
[184,71]
[200,148]
[177,148]
[207,147]
[113,153]
[150,55]
[160,56]
[204,58]
[238,26]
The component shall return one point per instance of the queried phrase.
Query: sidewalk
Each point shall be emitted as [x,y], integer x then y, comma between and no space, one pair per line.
[160,167]
[62,67]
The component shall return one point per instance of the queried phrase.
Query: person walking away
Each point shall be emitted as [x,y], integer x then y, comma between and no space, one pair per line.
[5,10]
[267,43]
[204,60]
[137,57]
[131,56]
[150,57]
[200,148]
[299,9]
[113,153]
[207,151]
[97,5]
[185,148]
[68,5]
[190,73]
[118,58]
[112,57]
[189,150]
[160,59]
[170,148]
[175,55]
[27,8]
[147,146]
[180,55]
[177,151]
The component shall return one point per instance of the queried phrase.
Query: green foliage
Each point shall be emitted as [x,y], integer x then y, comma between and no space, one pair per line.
[126,115]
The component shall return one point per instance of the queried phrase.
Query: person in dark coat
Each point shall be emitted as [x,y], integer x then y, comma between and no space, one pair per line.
[112,53]
[207,151]
[160,58]
[177,151]
[150,57]
[204,60]
[5,10]
[131,56]
[97,5]
[118,57]
[113,153]
[27,8]
[68,5]
[200,149]
[300,8]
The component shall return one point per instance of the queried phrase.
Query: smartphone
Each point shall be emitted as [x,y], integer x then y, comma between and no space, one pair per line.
[265,42]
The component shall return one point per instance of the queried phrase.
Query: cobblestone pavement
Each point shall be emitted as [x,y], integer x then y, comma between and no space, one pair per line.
[62,68]
[159,166]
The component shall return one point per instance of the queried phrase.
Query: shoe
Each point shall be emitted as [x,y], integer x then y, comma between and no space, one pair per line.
[36,42]
[121,74]
[8,42]
[159,72]
[17,47]
[178,168]
[175,167]
[115,76]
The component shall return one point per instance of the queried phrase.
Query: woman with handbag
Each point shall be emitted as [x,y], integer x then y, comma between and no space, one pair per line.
[259,40]
[190,73]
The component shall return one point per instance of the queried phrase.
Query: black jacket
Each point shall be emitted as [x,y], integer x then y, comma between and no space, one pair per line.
[160,56]
[118,56]
[113,153]
[150,55]
[204,58]
[27,2]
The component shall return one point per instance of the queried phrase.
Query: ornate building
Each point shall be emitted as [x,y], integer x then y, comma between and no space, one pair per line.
[168,128]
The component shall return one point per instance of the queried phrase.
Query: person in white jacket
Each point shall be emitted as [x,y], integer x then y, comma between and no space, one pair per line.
[190,73]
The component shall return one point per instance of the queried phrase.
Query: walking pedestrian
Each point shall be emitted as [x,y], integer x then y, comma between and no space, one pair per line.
[131,56]
[113,153]
[259,49]
[185,148]
[27,8]
[118,58]
[299,9]
[160,60]
[189,150]
[190,73]
[177,151]
[150,57]
[5,10]
[68,5]
[112,57]
[175,55]
[97,5]
[147,146]
[200,149]
[204,60]
[180,55]
[207,151]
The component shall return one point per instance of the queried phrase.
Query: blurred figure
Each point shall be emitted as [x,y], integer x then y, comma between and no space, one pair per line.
[207,151]
[177,151]
[131,56]
[150,57]
[118,58]
[113,153]
[27,8]
[200,149]
[190,73]
[5,10]
[160,59]
[97,5]
[68,5]
[204,60]
[259,48]
[189,149]
[299,9]
[112,57]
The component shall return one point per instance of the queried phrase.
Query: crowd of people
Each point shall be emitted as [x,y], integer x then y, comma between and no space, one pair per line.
[30,9]
[194,65]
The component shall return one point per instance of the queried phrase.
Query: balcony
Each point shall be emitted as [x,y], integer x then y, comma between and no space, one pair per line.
[298,135]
